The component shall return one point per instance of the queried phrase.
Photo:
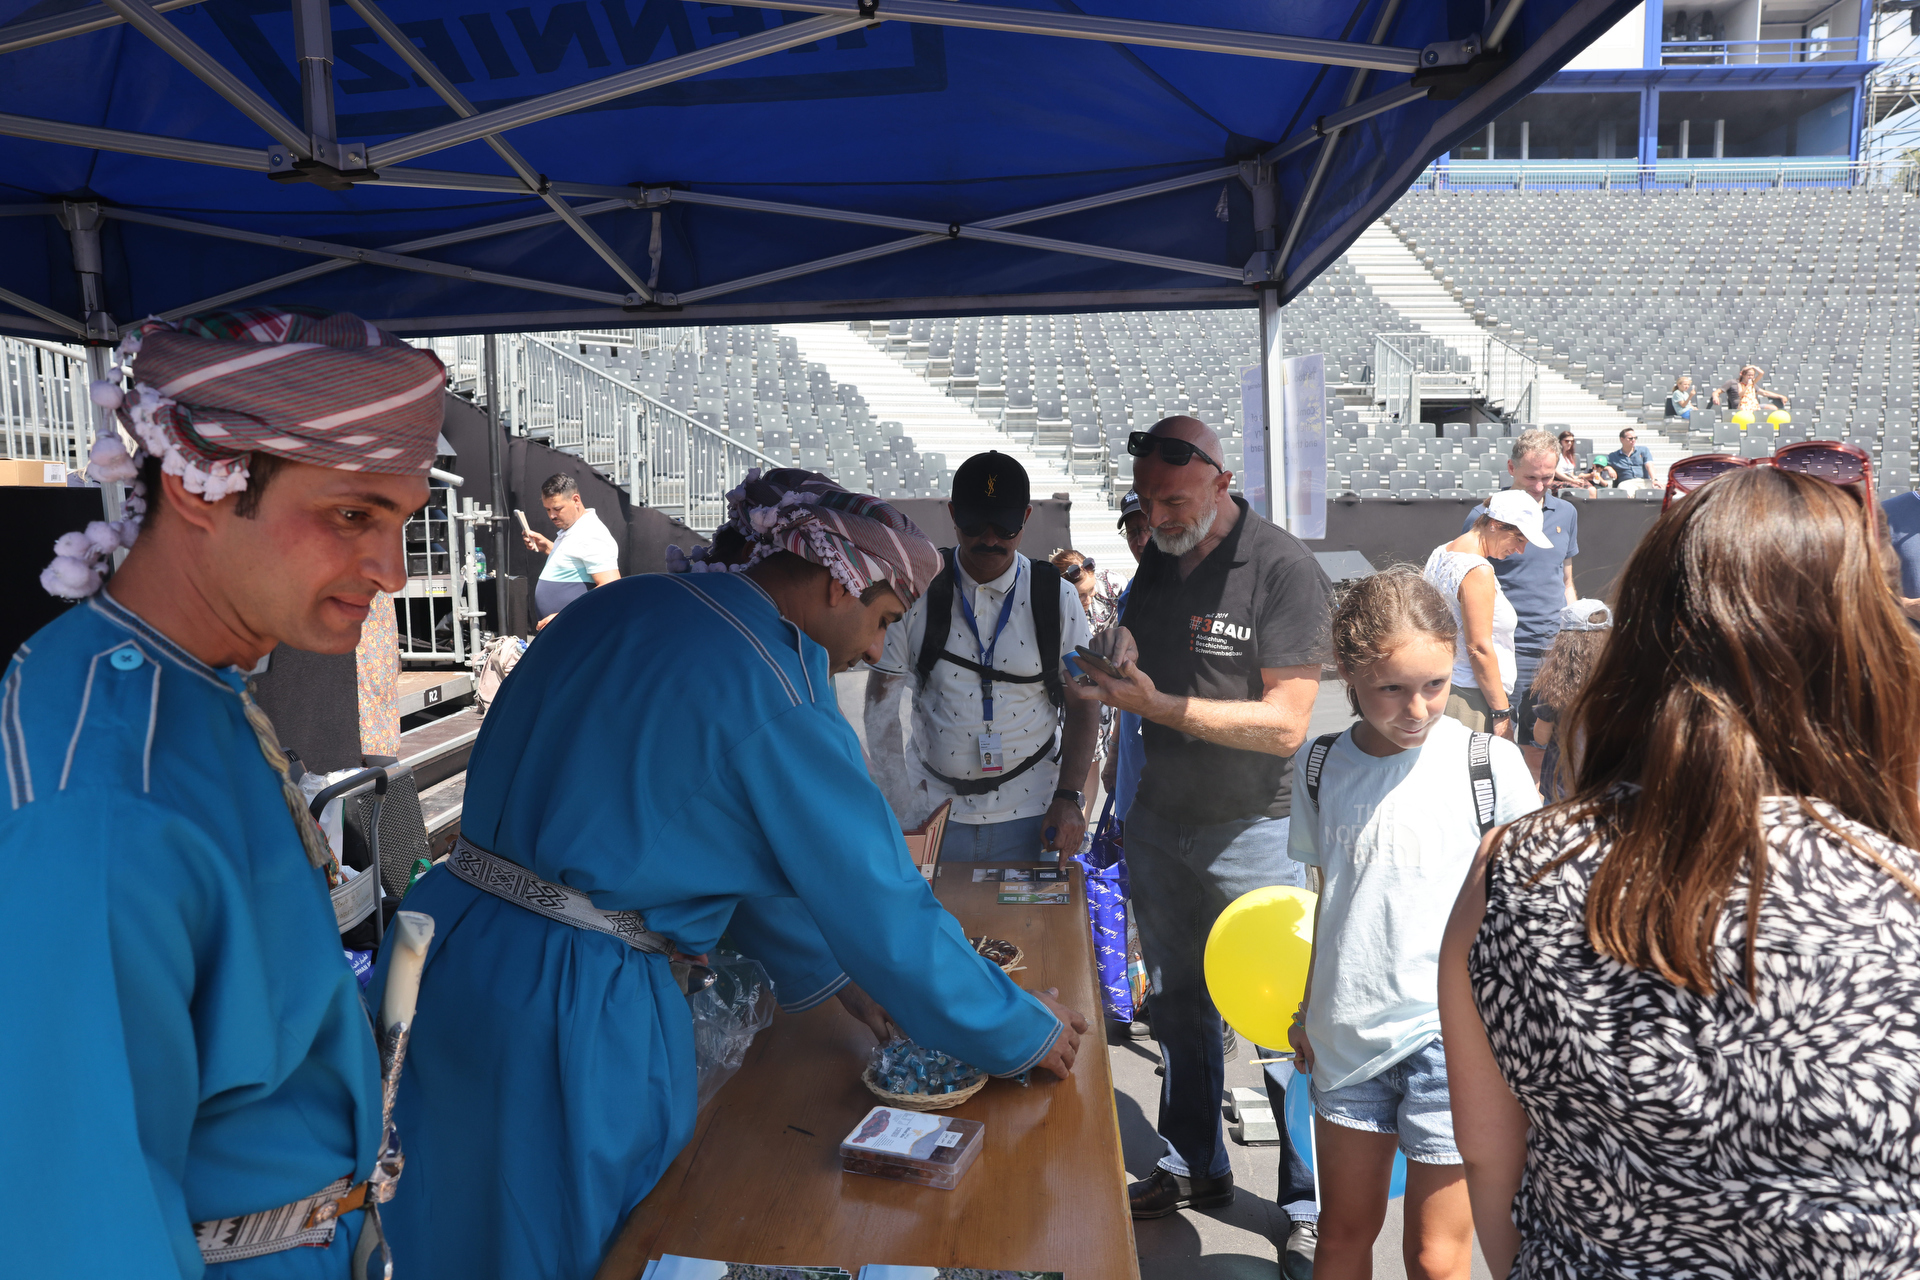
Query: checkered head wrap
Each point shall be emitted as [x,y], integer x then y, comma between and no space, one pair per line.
[313,386]
[856,537]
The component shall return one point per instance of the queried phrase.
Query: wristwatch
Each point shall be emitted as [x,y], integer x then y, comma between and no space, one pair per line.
[1504,713]
[1079,801]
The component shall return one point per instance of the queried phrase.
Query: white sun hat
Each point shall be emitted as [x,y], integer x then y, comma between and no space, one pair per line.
[1511,506]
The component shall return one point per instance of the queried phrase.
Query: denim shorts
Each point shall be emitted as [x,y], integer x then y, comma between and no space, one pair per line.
[1408,1098]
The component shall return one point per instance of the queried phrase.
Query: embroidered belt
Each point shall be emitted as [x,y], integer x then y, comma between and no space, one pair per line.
[306,1223]
[516,884]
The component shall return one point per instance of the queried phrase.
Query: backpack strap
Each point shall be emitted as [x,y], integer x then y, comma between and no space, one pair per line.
[1317,761]
[1043,599]
[1480,771]
[939,619]
[1043,596]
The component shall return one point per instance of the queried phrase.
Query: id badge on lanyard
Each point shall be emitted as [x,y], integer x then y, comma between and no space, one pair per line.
[991,759]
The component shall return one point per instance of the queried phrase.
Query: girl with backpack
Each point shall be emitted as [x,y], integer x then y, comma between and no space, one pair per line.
[1391,812]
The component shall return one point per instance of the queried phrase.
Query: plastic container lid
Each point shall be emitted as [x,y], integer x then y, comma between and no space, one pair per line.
[913,1146]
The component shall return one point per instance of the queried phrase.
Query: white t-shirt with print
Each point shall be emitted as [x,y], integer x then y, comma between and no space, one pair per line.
[1394,837]
[947,714]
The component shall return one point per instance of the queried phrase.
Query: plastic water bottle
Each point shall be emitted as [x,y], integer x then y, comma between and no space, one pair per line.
[480,562]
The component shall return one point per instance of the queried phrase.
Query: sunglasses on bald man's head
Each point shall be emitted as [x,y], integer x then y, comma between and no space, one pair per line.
[1842,464]
[1173,452]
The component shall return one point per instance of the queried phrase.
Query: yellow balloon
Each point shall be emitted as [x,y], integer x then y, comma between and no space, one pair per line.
[1744,418]
[1256,961]
[1779,417]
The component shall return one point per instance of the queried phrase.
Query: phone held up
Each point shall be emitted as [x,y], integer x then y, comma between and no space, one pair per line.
[1098,663]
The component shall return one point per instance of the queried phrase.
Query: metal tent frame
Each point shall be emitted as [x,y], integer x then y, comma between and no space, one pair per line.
[1476,70]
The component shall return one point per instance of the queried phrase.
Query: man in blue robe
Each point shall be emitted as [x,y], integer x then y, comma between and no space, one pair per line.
[185,1044]
[671,754]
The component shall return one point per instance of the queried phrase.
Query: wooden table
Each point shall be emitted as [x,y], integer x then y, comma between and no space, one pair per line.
[761,1180]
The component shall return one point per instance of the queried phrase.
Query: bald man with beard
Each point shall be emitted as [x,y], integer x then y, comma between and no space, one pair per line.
[1220,648]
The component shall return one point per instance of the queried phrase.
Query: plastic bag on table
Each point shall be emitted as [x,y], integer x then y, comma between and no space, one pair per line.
[738,1004]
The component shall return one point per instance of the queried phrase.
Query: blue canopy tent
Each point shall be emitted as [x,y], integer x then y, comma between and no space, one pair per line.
[646,162]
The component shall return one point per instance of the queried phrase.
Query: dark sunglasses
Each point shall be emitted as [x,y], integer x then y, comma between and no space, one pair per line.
[1175,453]
[1842,464]
[1072,573]
[980,530]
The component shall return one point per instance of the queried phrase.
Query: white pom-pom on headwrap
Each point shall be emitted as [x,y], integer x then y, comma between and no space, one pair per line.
[70,578]
[72,546]
[109,460]
[677,560]
[105,394]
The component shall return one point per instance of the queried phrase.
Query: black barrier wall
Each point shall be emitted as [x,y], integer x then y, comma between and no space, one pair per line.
[1407,532]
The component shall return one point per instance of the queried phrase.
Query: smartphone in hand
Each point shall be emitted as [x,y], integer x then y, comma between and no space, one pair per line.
[1098,663]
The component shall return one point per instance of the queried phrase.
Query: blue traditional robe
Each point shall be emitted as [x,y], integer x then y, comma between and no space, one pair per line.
[669,745]
[183,1039]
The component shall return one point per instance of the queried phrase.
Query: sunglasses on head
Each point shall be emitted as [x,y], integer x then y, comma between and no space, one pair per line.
[1175,453]
[1072,572]
[980,530]
[1830,460]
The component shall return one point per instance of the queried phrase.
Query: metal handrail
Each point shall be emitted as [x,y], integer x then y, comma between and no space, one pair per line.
[1744,174]
[1497,373]
[665,458]
[46,414]
[1698,53]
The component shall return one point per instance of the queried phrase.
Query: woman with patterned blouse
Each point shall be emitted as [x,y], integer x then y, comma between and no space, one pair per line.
[1682,1006]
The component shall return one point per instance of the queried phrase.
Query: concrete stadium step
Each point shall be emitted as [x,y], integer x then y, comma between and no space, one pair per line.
[940,424]
[1403,282]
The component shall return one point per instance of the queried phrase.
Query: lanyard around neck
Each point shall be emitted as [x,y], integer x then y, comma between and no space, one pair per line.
[973,625]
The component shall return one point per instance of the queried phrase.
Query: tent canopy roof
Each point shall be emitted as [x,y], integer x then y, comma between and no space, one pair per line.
[621,163]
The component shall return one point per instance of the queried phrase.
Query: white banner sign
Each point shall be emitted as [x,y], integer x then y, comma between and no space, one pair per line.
[1303,389]
[1253,442]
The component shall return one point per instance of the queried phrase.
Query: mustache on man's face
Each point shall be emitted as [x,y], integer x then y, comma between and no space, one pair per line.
[988,549]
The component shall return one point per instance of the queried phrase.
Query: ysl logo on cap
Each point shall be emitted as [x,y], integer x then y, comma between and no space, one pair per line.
[991,481]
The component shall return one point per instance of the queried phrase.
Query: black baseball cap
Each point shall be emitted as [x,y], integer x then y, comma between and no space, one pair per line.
[991,488]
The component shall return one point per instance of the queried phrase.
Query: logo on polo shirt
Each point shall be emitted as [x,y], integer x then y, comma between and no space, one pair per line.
[1214,634]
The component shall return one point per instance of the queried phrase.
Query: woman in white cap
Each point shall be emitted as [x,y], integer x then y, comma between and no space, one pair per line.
[1483,666]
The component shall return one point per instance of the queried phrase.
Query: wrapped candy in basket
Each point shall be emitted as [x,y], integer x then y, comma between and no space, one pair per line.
[906,1075]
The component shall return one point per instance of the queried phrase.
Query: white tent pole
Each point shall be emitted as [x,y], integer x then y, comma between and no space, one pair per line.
[1168,35]
[177,46]
[666,71]
[97,17]
[327,249]
[422,66]
[405,246]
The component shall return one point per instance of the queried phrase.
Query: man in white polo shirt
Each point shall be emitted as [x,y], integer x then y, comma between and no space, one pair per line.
[992,730]
[582,557]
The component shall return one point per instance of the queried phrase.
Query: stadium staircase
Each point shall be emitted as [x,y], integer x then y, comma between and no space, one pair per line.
[1404,282]
[941,424]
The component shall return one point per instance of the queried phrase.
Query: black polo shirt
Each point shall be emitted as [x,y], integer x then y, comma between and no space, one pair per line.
[1259,599]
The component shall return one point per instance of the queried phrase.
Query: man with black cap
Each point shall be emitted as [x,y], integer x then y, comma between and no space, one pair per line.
[981,653]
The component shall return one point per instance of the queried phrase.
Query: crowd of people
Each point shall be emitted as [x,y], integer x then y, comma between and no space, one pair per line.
[1617,922]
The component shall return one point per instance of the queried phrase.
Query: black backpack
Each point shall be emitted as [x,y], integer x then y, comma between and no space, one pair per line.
[1043,596]
[1479,769]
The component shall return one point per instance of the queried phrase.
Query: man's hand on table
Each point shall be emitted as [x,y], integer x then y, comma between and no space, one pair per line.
[866,1009]
[1059,1059]
[1068,824]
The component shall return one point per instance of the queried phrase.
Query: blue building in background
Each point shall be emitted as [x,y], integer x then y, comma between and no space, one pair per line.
[1728,80]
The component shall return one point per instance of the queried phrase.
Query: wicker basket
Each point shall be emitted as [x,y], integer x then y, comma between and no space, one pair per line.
[1009,964]
[921,1101]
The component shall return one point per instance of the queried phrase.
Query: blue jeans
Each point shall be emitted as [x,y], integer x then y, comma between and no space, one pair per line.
[1183,877]
[1015,840]
[1526,665]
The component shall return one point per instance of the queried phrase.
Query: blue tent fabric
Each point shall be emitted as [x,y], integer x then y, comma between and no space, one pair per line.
[902,119]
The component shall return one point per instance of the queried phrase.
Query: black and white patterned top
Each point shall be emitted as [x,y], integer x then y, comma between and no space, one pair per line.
[1681,1136]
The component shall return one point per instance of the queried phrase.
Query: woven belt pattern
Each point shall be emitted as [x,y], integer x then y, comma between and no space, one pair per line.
[516,884]
[302,1224]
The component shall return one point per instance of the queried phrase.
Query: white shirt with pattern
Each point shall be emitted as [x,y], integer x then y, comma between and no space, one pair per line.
[947,714]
